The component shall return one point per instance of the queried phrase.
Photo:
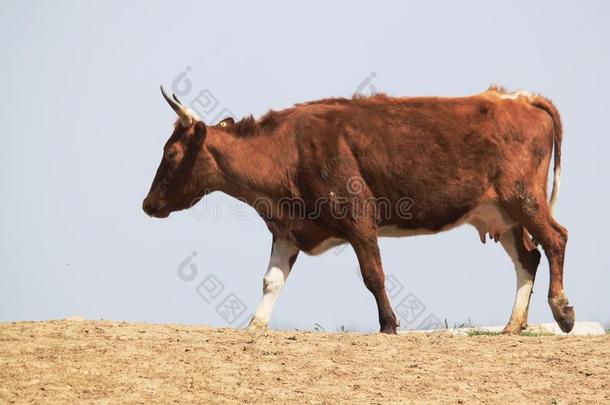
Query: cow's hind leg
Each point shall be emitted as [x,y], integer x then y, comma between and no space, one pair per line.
[283,255]
[531,210]
[526,262]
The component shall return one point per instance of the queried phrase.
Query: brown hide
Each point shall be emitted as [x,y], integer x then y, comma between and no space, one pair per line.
[345,168]
[445,155]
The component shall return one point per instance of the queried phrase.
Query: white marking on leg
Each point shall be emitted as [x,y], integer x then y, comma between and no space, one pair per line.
[525,282]
[274,280]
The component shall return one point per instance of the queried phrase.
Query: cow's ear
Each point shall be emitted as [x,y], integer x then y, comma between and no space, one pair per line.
[227,122]
[200,132]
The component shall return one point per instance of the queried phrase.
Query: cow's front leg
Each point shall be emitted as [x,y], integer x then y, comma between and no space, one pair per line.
[369,259]
[283,255]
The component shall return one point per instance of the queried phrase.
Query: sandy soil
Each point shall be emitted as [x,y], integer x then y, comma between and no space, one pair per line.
[67,361]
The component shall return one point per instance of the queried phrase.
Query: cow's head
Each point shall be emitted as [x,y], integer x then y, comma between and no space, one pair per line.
[186,169]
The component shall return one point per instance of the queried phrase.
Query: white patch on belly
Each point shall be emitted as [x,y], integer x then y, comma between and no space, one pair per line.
[326,245]
[487,218]
[393,231]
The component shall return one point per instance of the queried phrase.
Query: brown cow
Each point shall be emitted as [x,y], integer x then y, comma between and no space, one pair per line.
[350,170]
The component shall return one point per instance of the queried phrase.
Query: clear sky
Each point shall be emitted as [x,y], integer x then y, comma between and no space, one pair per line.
[83,125]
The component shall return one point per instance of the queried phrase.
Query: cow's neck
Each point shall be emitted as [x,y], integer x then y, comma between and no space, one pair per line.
[250,167]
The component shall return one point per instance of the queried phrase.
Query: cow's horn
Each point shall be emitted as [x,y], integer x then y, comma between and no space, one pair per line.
[176,98]
[172,103]
[186,115]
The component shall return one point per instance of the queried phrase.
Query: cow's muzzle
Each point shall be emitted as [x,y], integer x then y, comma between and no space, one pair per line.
[154,208]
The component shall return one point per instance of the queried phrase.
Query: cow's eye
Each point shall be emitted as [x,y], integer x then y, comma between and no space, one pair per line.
[170,154]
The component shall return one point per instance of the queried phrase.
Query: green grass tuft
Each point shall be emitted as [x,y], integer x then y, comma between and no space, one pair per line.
[482,332]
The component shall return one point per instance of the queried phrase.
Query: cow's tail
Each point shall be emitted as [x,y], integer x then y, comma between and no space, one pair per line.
[546,105]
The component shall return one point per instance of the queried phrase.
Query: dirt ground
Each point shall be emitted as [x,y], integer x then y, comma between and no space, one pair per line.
[102,361]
